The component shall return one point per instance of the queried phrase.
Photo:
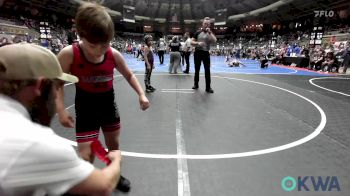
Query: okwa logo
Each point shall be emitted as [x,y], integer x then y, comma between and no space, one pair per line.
[310,183]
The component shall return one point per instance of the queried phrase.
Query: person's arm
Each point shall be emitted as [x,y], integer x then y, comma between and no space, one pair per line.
[101,181]
[344,53]
[131,78]
[331,61]
[212,37]
[65,57]
[58,169]
[194,42]
[146,57]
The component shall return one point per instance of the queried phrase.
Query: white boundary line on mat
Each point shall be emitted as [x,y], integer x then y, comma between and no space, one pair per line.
[327,89]
[309,137]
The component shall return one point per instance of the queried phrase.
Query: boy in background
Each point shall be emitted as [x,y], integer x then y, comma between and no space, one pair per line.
[149,63]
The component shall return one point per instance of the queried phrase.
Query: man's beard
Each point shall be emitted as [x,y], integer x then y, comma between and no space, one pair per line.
[43,107]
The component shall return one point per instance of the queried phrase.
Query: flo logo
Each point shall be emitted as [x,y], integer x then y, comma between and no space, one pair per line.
[324,13]
[310,183]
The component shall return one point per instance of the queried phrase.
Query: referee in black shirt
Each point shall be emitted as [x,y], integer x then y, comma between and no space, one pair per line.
[202,40]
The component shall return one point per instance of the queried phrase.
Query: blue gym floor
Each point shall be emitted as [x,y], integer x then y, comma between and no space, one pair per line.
[218,65]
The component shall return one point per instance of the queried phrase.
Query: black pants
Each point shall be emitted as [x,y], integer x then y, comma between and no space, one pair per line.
[148,73]
[316,65]
[187,59]
[263,63]
[182,57]
[200,56]
[161,56]
[139,52]
[346,65]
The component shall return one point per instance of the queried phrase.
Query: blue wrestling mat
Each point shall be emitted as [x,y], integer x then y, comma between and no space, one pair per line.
[218,65]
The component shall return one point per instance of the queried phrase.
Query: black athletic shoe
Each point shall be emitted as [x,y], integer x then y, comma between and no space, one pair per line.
[123,184]
[210,90]
[195,87]
[152,88]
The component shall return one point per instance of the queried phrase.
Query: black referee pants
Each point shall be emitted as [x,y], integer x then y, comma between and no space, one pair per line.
[200,56]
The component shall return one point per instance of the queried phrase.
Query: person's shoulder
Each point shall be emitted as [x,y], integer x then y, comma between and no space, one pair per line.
[40,137]
[18,126]
[115,52]
[117,55]
[198,31]
[67,51]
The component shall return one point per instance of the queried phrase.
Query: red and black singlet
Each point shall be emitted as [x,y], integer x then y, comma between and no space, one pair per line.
[94,78]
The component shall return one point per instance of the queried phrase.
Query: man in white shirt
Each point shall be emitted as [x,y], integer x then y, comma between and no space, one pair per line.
[33,159]
[161,50]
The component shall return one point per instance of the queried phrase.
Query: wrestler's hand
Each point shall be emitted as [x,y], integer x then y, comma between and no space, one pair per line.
[66,119]
[144,103]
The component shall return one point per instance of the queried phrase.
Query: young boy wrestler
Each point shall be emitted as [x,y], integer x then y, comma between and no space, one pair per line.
[93,61]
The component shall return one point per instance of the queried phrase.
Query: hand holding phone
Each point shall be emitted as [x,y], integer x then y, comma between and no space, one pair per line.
[208,30]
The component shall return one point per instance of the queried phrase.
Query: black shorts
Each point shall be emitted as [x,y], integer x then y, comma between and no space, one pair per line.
[95,111]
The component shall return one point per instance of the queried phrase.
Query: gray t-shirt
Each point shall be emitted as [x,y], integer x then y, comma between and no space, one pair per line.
[202,36]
